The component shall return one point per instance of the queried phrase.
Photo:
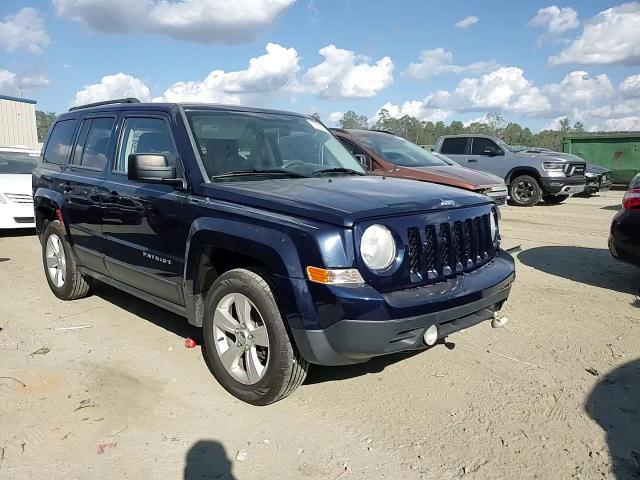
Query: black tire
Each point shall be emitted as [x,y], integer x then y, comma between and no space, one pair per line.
[554,199]
[524,191]
[285,369]
[75,285]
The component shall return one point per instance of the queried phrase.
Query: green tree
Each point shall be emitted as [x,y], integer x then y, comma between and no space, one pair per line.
[352,120]
[316,115]
[578,127]
[43,122]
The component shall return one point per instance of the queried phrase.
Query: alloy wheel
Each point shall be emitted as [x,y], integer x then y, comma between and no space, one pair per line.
[56,261]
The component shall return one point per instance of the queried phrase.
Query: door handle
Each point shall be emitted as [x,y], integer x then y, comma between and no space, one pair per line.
[472,160]
[66,187]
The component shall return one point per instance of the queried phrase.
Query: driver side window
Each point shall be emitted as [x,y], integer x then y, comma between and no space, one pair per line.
[145,135]
[481,145]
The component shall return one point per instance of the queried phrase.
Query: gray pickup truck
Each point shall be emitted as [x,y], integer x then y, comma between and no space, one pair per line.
[531,177]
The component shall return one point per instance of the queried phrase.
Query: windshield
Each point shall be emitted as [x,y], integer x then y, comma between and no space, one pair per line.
[18,162]
[399,151]
[267,143]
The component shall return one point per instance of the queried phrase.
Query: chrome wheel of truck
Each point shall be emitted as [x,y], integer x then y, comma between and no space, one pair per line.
[242,341]
[246,344]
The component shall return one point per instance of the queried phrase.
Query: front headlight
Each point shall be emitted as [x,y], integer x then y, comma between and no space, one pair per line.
[3,199]
[495,231]
[377,247]
[553,166]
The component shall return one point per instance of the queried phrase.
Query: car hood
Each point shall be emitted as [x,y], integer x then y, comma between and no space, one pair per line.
[344,200]
[15,183]
[462,175]
[597,169]
[553,156]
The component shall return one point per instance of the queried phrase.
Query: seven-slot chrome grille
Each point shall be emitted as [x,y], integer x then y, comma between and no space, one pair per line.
[445,249]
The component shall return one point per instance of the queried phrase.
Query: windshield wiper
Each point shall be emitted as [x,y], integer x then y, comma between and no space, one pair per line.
[348,171]
[256,171]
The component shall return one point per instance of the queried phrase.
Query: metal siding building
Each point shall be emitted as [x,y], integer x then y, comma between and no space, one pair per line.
[619,152]
[18,122]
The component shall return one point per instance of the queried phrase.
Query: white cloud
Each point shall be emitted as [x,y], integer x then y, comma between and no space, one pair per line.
[467,21]
[23,31]
[554,124]
[631,123]
[335,117]
[267,74]
[556,20]
[119,85]
[210,21]
[10,83]
[343,74]
[440,61]
[579,89]
[417,109]
[611,37]
[630,87]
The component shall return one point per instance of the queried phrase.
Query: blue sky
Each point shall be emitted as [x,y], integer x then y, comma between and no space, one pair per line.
[531,61]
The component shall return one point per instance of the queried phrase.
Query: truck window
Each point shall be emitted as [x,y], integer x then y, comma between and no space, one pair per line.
[480,144]
[145,135]
[454,146]
[91,149]
[59,143]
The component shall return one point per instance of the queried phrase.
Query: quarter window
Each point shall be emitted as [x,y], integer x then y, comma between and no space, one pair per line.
[59,143]
[454,146]
[145,135]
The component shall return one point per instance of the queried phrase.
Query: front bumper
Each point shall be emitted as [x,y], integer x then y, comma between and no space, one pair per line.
[13,215]
[624,239]
[563,186]
[449,305]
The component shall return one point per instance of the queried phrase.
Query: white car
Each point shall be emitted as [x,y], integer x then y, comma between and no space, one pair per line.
[16,198]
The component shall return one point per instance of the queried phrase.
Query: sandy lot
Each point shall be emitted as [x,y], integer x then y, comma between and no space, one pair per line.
[124,398]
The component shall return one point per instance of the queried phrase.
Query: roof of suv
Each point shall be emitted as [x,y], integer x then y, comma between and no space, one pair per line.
[483,135]
[185,105]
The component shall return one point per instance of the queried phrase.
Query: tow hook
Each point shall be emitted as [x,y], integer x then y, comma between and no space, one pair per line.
[499,320]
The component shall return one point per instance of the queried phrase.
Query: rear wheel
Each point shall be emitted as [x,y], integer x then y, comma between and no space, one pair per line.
[524,191]
[246,345]
[60,267]
[555,199]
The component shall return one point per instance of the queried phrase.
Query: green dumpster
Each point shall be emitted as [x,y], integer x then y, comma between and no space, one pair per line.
[619,152]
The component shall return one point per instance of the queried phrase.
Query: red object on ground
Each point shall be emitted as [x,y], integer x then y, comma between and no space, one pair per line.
[190,343]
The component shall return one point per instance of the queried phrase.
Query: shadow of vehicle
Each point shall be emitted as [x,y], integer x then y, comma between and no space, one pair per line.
[206,459]
[591,266]
[613,208]
[159,316]
[17,232]
[615,404]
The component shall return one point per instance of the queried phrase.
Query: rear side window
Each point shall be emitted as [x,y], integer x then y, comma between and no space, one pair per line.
[59,143]
[93,141]
[454,146]
[145,135]
[480,144]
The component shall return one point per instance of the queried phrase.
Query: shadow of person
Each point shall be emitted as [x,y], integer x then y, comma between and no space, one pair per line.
[592,266]
[615,404]
[206,459]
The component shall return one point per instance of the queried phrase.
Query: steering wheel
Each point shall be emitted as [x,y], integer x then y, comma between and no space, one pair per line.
[295,163]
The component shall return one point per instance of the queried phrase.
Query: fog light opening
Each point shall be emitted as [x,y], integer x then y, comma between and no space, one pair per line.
[431,335]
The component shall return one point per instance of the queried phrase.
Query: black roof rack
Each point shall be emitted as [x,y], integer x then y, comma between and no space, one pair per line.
[107,102]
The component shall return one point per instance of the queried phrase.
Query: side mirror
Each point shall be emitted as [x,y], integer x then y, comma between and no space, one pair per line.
[492,151]
[152,168]
[364,160]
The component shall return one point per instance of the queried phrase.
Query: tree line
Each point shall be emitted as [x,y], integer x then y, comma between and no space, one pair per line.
[426,133]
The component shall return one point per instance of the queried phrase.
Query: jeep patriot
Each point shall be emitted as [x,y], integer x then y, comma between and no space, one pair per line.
[259,227]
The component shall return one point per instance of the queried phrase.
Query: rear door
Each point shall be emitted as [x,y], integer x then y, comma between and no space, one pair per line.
[456,149]
[487,156]
[143,227]
[81,184]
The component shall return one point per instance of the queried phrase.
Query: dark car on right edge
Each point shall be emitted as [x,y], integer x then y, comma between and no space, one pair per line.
[624,240]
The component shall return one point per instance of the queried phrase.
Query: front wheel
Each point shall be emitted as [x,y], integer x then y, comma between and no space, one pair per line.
[554,199]
[524,191]
[246,344]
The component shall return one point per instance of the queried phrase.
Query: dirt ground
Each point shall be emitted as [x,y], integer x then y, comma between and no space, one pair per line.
[553,395]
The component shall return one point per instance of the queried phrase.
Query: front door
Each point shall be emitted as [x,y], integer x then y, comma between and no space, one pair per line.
[455,148]
[142,223]
[487,156]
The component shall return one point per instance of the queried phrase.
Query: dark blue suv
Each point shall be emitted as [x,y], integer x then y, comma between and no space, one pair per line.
[260,227]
